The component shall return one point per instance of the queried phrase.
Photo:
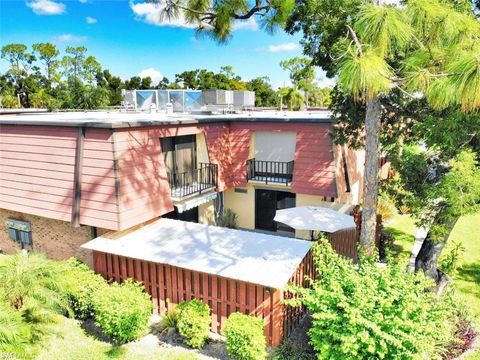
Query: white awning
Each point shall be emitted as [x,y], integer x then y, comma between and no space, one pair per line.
[314,218]
[257,258]
[184,205]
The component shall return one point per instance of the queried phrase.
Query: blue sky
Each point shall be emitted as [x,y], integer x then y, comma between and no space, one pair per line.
[126,38]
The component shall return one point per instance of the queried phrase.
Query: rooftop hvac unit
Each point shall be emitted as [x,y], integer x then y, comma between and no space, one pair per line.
[243,99]
[218,97]
[146,99]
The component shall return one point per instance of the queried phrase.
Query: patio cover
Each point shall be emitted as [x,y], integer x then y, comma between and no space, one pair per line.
[314,218]
[249,256]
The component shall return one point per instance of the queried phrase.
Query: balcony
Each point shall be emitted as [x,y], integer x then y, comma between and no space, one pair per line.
[193,182]
[270,172]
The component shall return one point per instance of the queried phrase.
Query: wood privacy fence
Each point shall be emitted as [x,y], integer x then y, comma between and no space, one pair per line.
[170,285]
[345,242]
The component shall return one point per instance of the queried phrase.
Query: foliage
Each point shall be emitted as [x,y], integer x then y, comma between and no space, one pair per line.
[81,285]
[362,311]
[288,350]
[245,337]
[292,98]
[386,208]
[194,322]
[169,321]
[265,96]
[15,334]
[30,279]
[229,219]
[122,311]
[450,261]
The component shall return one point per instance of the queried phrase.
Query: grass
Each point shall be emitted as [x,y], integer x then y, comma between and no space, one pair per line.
[467,278]
[69,338]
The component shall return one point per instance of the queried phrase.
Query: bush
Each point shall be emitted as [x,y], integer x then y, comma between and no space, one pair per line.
[169,321]
[245,338]
[229,219]
[360,311]
[122,311]
[193,322]
[288,350]
[82,284]
[386,208]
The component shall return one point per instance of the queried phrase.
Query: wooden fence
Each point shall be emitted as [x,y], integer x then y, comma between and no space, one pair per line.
[345,242]
[169,285]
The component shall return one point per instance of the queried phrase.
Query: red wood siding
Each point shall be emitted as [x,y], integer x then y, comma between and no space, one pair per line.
[314,168]
[98,205]
[170,285]
[217,138]
[144,189]
[36,170]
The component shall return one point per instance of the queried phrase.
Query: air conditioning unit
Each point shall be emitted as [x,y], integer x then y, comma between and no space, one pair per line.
[218,97]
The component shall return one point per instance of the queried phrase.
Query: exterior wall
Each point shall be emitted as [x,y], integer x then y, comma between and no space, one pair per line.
[98,202]
[56,239]
[242,204]
[206,213]
[217,138]
[355,166]
[37,165]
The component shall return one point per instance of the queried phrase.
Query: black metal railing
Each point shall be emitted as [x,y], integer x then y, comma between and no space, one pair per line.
[194,181]
[270,171]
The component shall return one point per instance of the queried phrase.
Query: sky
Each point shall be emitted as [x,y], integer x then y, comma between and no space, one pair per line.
[128,38]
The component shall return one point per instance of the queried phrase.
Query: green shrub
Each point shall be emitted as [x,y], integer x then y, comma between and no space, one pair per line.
[245,338]
[82,284]
[122,311]
[288,350]
[169,321]
[229,219]
[15,334]
[193,322]
[360,311]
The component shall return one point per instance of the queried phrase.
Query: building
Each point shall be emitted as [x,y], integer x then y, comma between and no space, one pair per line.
[68,178]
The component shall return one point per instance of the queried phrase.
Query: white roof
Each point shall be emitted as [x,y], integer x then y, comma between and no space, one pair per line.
[104,118]
[253,257]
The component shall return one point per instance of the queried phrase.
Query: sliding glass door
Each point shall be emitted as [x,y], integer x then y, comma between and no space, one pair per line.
[267,202]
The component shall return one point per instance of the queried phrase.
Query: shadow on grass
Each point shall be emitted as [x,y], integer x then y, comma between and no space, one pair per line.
[470,273]
[115,352]
[402,242]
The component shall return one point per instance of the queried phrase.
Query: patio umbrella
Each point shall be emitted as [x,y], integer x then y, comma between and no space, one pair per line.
[314,218]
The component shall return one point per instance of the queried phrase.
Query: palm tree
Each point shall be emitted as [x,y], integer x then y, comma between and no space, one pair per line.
[30,278]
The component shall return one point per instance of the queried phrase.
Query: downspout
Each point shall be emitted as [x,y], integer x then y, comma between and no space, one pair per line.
[77,184]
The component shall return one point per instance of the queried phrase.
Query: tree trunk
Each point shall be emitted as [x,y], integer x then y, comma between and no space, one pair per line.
[427,257]
[370,188]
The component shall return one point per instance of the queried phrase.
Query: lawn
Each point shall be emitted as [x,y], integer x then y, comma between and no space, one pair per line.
[467,278]
[69,338]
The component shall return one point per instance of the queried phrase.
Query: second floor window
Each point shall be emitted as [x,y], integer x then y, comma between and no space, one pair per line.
[179,153]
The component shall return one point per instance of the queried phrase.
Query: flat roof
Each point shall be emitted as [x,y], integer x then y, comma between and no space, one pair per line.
[253,257]
[119,119]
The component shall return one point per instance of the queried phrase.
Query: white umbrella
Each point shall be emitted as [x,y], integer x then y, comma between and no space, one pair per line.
[314,218]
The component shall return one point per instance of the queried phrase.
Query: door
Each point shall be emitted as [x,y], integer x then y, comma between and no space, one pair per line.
[265,208]
[267,202]
[180,159]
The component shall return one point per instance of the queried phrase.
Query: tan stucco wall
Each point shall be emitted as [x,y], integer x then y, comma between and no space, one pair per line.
[56,239]
[243,204]
[206,213]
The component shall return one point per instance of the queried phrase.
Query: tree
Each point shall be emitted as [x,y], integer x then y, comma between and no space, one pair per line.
[292,98]
[301,72]
[20,63]
[265,96]
[73,62]
[48,54]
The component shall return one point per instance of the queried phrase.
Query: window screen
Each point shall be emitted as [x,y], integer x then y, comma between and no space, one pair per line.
[274,146]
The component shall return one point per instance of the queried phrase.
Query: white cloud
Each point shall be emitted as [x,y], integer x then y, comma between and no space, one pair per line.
[155,75]
[46,7]
[70,38]
[91,20]
[151,14]
[83,1]
[291,46]
[250,24]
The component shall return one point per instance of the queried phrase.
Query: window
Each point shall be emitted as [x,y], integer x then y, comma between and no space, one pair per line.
[179,153]
[19,231]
